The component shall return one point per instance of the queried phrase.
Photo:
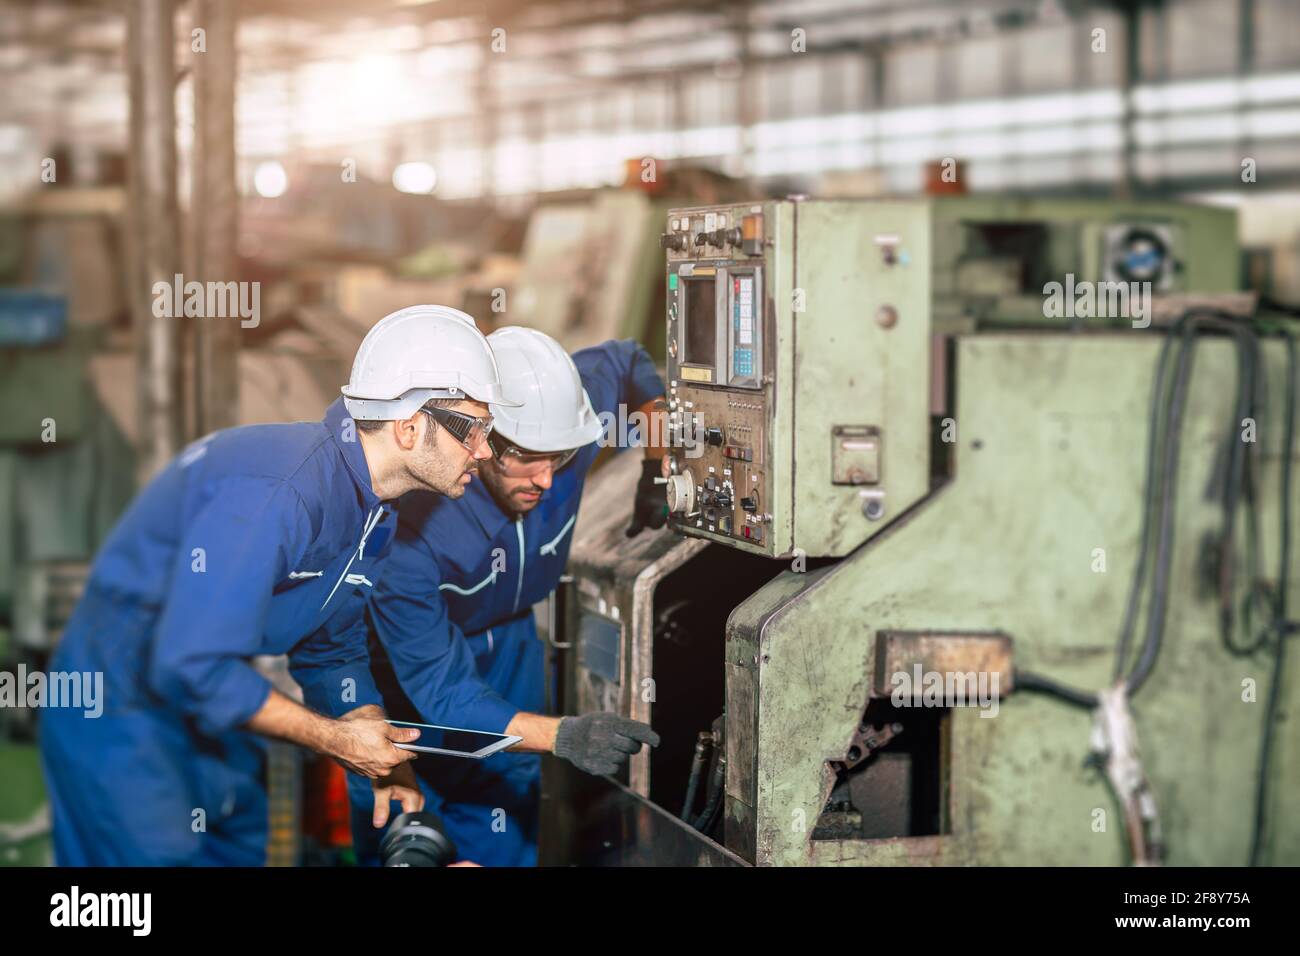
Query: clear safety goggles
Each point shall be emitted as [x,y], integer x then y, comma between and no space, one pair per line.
[521,463]
[469,430]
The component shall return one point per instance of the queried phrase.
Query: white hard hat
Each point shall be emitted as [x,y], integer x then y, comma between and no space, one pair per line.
[553,411]
[416,354]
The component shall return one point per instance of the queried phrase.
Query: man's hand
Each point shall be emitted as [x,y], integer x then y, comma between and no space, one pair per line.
[364,743]
[650,505]
[399,785]
[601,743]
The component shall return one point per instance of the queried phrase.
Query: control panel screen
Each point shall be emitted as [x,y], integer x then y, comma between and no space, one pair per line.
[742,317]
[701,322]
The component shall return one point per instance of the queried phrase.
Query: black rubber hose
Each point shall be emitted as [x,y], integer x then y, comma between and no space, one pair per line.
[698,762]
[1028,680]
[1155,438]
[1282,626]
[704,822]
[1169,491]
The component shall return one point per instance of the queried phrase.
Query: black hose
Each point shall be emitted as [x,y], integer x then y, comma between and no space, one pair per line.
[1239,486]
[1282,625]
[1169,490]
[698,762]
[1028,680]
[704,822]
[1155,436]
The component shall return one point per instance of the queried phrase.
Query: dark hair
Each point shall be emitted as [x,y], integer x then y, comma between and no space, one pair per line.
[374,425]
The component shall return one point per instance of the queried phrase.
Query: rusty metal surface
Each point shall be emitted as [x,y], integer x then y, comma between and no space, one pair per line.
[899,652]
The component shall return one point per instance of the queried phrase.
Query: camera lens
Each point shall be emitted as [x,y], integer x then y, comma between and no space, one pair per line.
[417,839]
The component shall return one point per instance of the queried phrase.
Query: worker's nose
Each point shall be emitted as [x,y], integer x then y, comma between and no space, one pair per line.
[483,452]
[543,478]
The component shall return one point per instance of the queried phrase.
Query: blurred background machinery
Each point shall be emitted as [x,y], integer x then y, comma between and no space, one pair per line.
[522,159]
[957,484]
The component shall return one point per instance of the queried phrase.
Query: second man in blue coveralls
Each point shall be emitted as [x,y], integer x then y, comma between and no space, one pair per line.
[454,610]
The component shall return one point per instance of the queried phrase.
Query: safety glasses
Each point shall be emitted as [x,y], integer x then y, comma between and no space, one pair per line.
[469,431]
[521,463]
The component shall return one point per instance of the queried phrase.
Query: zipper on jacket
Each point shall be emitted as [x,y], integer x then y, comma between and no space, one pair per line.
[519,588]
[549,547]
[371,521]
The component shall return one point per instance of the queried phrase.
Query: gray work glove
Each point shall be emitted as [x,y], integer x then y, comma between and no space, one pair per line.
[601,743]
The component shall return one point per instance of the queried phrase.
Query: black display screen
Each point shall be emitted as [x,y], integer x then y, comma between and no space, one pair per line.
[701,322]
[450,738]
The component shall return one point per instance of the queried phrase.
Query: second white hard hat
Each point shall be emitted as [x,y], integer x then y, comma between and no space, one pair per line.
[553,411]
[417,354]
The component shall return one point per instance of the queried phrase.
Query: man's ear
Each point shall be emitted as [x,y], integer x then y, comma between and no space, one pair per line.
[406,432]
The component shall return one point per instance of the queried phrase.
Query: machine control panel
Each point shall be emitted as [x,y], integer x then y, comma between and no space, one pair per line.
[798,352]
[720,387]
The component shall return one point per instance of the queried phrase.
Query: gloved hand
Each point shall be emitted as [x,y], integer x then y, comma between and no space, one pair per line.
[601,743]
[650,506]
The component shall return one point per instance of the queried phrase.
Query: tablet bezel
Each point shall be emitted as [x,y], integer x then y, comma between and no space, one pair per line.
[507,740]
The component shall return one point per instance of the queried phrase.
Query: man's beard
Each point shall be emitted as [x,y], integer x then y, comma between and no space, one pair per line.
[443,476]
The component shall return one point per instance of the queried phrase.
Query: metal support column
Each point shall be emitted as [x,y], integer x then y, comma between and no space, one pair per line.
[214,212]
[155,219]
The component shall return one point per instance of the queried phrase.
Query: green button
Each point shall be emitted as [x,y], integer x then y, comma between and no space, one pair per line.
[672,280]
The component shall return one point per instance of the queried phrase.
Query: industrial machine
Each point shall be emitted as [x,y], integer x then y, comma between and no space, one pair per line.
[934,463]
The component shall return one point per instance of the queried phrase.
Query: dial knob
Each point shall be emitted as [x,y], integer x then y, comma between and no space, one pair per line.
[681,493]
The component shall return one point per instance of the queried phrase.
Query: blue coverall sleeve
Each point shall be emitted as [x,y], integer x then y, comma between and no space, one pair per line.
[427,650]
[619,371]
[241,542]
[333,665]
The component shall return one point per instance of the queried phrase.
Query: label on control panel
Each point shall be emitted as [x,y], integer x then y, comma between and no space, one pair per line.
[744,309]
[742,299]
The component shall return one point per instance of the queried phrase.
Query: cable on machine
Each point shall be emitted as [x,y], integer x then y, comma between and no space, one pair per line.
[1239,490]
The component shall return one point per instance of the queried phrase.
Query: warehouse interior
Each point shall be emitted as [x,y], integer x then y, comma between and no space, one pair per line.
[935,458]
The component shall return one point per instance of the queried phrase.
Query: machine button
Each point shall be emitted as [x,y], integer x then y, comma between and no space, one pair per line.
[673,241]
[713,435]
[749,504]
[724,524]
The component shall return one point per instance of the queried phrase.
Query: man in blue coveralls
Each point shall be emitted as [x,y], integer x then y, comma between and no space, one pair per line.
[257,540]
[454,610]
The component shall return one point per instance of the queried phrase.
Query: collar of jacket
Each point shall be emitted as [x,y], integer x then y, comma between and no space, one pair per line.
[484,508]
[341,428]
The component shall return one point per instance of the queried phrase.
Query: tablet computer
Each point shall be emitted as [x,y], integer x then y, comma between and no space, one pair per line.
[455,740]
